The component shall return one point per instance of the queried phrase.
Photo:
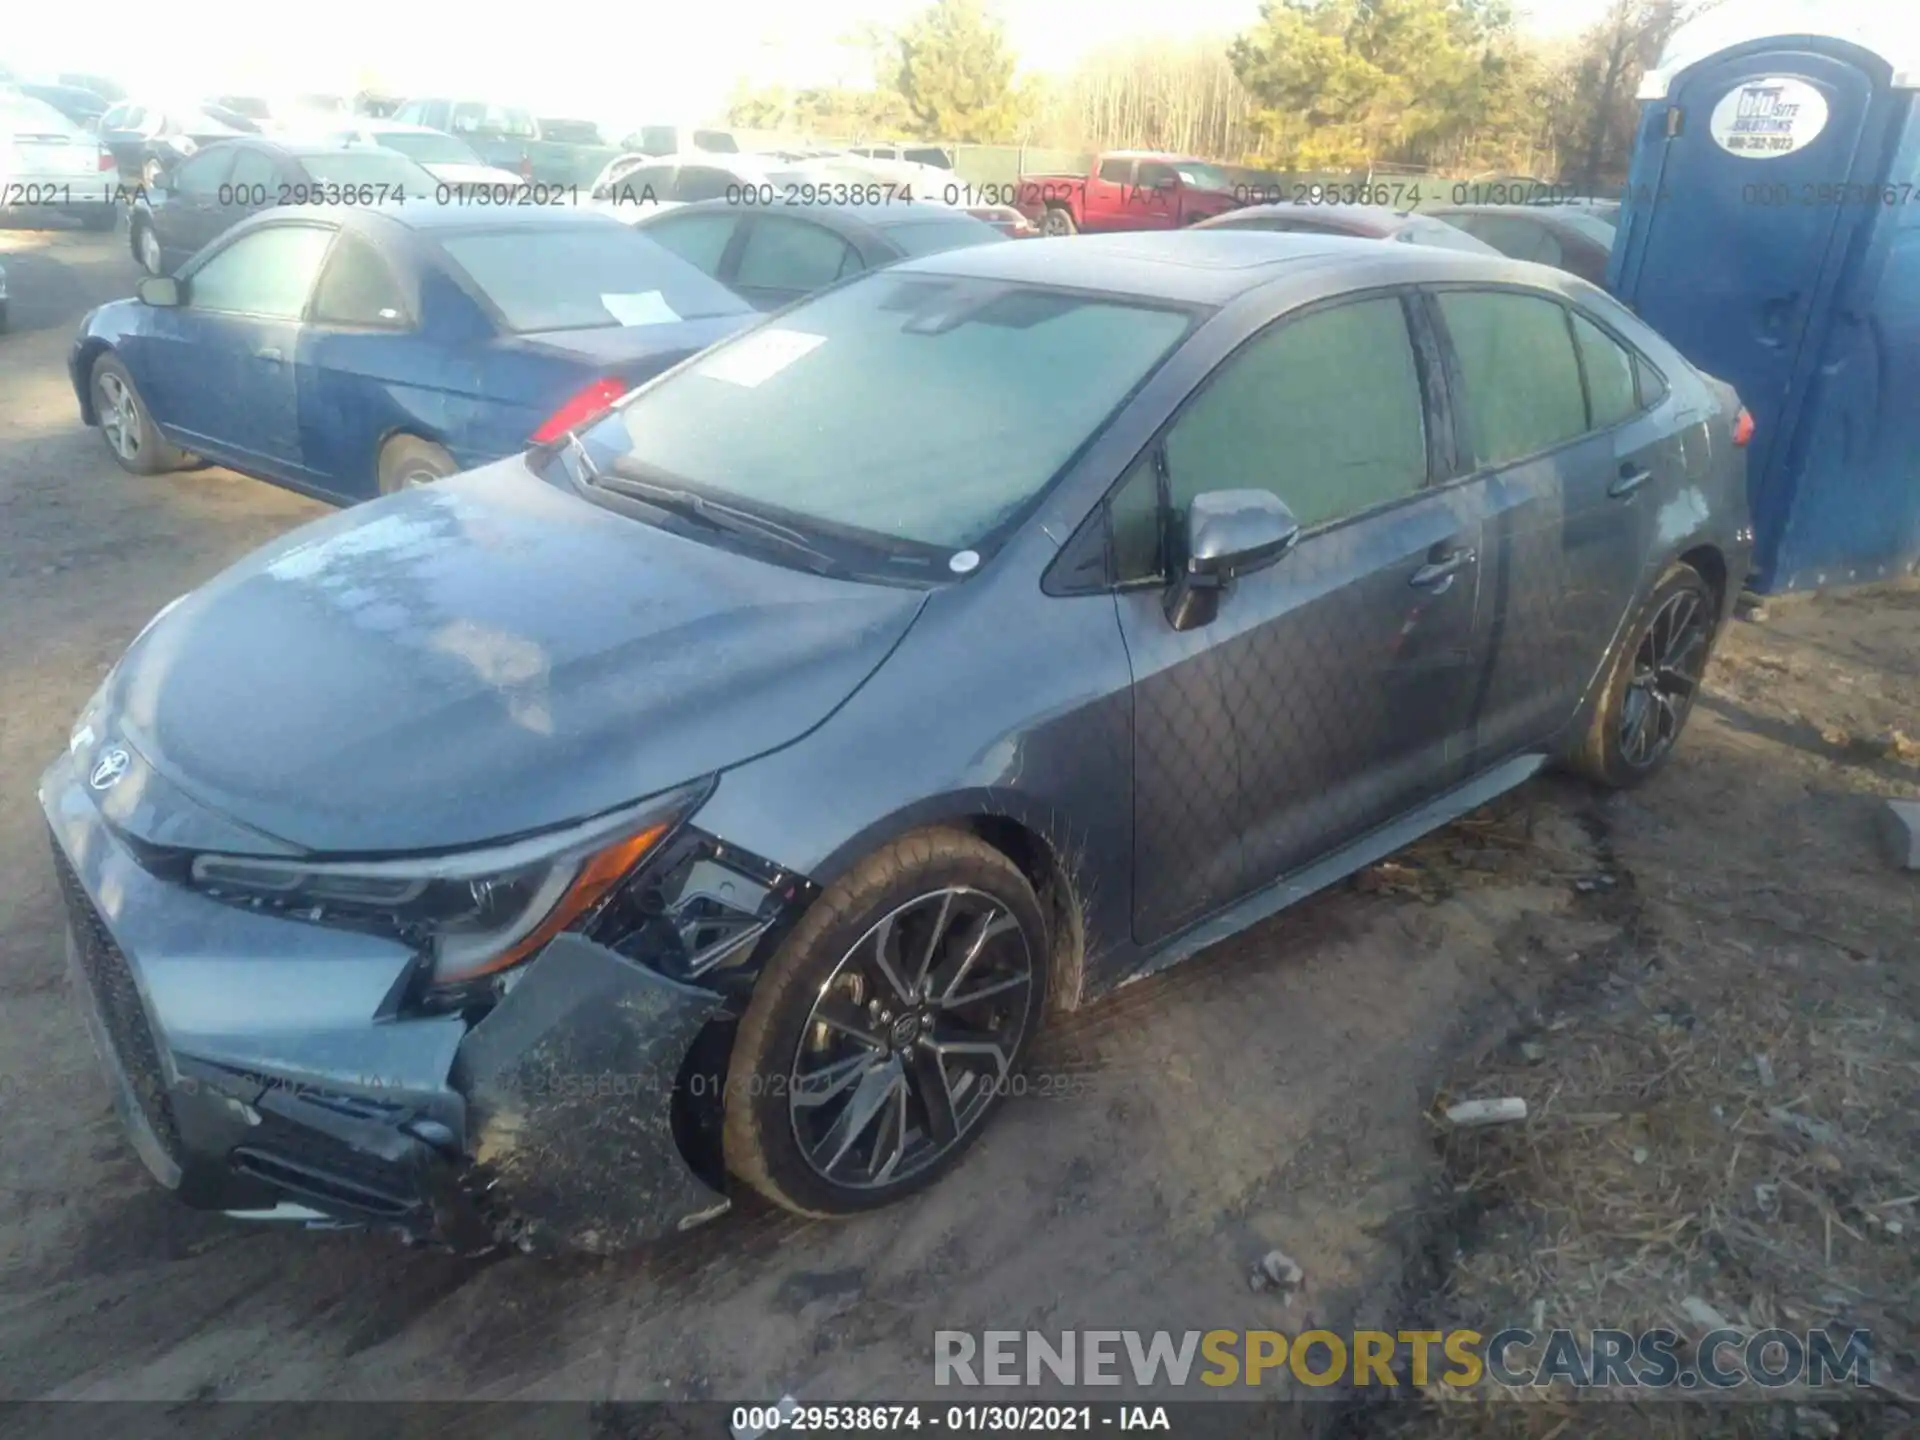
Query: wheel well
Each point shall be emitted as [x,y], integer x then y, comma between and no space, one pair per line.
[91,351]
[1052,882]
[1712,566]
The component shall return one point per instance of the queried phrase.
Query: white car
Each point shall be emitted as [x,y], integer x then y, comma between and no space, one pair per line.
[634,185]
[49,165]
[447,158]
[663,140]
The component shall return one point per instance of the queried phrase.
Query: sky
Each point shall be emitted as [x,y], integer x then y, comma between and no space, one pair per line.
[599,59]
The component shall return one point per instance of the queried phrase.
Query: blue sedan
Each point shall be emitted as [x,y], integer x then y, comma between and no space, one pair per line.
[349,353]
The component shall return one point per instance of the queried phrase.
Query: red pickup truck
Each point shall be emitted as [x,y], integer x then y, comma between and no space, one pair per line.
[1128,190]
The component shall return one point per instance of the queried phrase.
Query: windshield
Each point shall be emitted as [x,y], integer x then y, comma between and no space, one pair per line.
[1202,175]
[426,147]
[586,277]
[924,237]
[925,409]
[368,167]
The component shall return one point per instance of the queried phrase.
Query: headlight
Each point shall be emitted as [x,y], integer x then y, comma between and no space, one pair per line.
[477,912]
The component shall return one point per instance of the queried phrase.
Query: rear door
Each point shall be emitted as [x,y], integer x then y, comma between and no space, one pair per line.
[1748,241]
[1331,690]
[783,258]
[226,368]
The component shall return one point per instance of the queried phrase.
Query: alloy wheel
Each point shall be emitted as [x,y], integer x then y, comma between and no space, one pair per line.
[1665,676]
[911,1038]
[119,416]
[1055,223]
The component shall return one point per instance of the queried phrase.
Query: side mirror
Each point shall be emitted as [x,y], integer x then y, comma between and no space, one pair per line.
[161,290]
[1229,533]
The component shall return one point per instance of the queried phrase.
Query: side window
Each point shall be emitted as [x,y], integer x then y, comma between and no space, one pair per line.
[1156,175]
[791,255]
[700,240]
[1324,411]
[1118,172]
[1133,519]
[1611,394]
[1652,389]
[410,113]
[203,175]
[251,168]
[268,273]
[1520,239]
[1517,363]
[702,182]
[640,185]
[357,288]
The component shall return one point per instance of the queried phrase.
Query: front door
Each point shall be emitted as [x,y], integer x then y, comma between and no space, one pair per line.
[1331,690]
[1741,251]
[228,385]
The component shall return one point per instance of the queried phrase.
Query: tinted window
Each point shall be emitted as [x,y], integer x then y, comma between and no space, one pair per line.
[1324,411]
[1610,389]
[924,408]
[1256,222]
[581,277]
[700,240]
[357,288]
[1651,387]
[702,182]
[203,175]
[250,168]
[1420,231]
[791,255]
[1517,364]
[1118,171]
[268,273]
[377,167]
[717,142]
[930,236]
[1154,175]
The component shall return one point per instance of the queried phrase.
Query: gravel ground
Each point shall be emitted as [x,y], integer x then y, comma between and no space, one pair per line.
[1276,1092]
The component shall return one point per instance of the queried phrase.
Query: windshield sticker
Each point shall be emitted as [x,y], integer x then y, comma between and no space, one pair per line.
[646,308]
[758,357]
[1760,119]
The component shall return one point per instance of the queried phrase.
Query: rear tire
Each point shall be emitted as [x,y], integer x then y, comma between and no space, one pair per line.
[127,425]
[887,1028]
[1651,683]
[407,460]
[1057,222]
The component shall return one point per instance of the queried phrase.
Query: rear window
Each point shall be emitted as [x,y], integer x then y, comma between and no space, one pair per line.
[931,236]
[1592,227]
[372,166]
[587,277]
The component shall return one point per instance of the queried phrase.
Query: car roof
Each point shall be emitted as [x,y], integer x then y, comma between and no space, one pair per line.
[848,219]
[1210,267]
[1385,216]
[430,219]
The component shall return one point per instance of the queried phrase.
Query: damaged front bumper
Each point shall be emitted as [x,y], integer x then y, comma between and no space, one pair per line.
[270,1068]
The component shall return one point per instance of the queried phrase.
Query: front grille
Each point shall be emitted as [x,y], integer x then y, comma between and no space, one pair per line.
[118,1000]
[308,1163]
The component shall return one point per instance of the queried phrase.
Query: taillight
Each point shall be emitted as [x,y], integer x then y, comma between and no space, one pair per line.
[589,405]
[107,162]
[1743,427]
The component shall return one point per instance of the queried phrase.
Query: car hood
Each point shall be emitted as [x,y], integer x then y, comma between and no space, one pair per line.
[479,659]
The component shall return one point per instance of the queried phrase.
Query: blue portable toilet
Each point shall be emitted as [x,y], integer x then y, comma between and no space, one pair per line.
[1771,231]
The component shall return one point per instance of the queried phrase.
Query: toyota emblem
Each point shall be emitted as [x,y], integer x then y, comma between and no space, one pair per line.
[110,768]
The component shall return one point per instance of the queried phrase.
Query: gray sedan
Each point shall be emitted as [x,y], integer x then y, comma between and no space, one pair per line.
[1369,222]
[724,794]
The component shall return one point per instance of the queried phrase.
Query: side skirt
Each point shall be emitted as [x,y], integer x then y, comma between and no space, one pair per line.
[1355,856]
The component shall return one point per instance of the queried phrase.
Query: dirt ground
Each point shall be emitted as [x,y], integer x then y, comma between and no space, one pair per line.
[1626,956]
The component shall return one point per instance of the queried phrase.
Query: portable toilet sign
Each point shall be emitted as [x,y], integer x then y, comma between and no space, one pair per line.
[1771,231]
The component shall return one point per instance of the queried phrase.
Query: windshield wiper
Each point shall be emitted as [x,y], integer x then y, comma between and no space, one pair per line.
[701,509]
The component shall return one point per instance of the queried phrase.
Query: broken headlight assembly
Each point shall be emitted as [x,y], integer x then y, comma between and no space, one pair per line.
[473,914]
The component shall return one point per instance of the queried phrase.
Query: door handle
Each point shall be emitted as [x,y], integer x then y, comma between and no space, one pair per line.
[1632,477]
[270,353]
[1437,574]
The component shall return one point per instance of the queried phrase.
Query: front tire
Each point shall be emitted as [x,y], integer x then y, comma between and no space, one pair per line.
[127,423]
[1651,683]
[1058,222]
[887,1028]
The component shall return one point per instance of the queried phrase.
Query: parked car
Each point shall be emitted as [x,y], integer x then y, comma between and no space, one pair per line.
[376,104]
[509,136]
[773,257]
[934,155]
[634,184]
[1558,236]
[206,195]
[1367,222]
[1607,212]
[678,139]
[929,184]
[3,299]
[148,139]
[787,742]
[572,132]
[347,352]
[82,107]
[49,165]
[1125,190]
[254,108]
[449,160]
